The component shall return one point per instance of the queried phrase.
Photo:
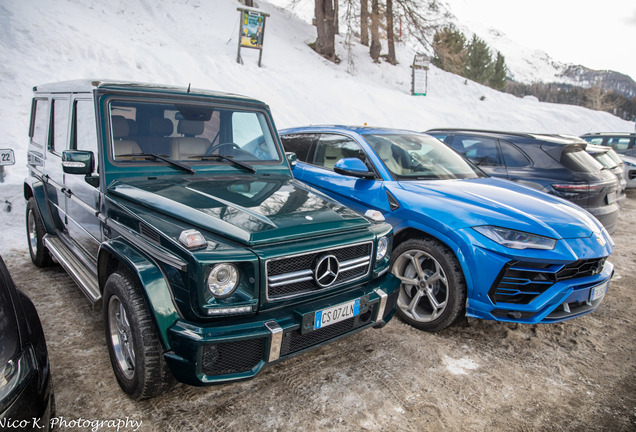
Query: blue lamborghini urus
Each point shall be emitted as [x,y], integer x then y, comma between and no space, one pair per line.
[465,243]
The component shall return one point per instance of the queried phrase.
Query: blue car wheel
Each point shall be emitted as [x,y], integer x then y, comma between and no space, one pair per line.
[433,291]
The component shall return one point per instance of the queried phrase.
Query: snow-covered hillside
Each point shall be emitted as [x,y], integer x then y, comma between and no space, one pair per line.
[194,42]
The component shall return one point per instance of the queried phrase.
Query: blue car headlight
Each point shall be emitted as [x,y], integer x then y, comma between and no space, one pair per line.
[515,239]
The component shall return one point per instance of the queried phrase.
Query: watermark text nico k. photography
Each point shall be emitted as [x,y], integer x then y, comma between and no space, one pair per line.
[125,424]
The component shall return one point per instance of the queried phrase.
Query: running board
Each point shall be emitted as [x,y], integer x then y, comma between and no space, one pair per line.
[83,277]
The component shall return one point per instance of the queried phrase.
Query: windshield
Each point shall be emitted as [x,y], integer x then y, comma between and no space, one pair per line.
[186,131]
[420,157]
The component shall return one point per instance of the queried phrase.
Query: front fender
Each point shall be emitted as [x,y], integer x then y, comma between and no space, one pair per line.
[154,284]
[35,188]
[406,224]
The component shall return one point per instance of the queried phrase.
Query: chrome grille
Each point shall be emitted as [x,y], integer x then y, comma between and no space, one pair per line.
[293,275]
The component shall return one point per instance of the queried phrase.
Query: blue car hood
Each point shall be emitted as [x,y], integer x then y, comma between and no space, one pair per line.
[489,201]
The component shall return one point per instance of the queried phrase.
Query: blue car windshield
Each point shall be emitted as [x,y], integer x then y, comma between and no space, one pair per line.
[420,157]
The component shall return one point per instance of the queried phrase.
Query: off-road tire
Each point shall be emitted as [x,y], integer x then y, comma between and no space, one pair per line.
[147,374]
[35,231]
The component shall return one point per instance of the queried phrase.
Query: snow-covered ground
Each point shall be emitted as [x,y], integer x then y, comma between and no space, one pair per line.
[195,42]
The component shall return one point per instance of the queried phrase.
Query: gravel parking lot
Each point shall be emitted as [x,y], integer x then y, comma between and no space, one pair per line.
[478,376]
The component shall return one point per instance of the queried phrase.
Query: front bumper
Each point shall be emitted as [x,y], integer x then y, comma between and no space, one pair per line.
[563,300]
[217,353]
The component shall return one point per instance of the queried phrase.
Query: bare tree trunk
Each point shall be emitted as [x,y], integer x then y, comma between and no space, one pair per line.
[364,22]
[325,41]
[390,36]
[336,18]
[374,49]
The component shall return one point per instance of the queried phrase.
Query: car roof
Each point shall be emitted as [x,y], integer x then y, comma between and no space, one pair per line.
[545,138]
[362,130]
[617,134]
[90,85]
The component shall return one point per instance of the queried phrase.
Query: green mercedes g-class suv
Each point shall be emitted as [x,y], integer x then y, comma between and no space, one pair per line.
[176,208]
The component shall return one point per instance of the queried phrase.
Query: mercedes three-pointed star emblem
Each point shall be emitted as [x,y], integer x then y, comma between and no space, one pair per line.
[326,270]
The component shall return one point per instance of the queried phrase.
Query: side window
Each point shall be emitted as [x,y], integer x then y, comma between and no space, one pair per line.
[84,128]
[40,122]
[482,151]
[250,133]
[440,136]
[59,136]
[513,157]
[595,140]
[618,143]
[330,148]
[301,144]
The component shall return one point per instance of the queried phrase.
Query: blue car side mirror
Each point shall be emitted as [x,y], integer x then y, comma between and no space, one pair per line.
[292,159]
[353,167]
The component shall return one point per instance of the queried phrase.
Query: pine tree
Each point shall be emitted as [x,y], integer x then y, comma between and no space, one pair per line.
[499,75]
[479,61]
[449,48]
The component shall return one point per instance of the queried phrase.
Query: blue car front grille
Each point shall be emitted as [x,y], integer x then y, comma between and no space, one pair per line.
[520,283]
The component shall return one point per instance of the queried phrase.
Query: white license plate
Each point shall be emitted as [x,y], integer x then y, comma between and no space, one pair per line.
[335,314]
[598,291]
[612,197]
[6,157]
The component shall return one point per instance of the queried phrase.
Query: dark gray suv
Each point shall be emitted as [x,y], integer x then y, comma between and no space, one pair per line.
[557,165]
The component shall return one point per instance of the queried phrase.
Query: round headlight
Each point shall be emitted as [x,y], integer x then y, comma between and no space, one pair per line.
[223,280]
[383,247]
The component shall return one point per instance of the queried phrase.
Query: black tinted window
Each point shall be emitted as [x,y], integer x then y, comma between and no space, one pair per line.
[301,144]
[513,157]
[481,151]
[579,160]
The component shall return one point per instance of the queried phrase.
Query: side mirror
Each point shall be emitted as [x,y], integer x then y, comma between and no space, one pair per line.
[292,159]
[78,162]
[353,167]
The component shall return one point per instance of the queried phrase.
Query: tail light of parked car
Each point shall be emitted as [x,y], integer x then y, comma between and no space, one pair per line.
[578,187]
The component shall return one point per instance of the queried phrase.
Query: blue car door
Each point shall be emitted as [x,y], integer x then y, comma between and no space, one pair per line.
[318,171]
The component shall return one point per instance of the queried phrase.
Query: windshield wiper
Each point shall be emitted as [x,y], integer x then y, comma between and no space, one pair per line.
[164,158]
[248,167]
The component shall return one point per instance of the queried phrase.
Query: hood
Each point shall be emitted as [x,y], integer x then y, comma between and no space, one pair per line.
[248,210]
[490,201]
[628,159]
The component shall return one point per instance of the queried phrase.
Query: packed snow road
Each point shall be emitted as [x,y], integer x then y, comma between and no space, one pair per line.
[480,375]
